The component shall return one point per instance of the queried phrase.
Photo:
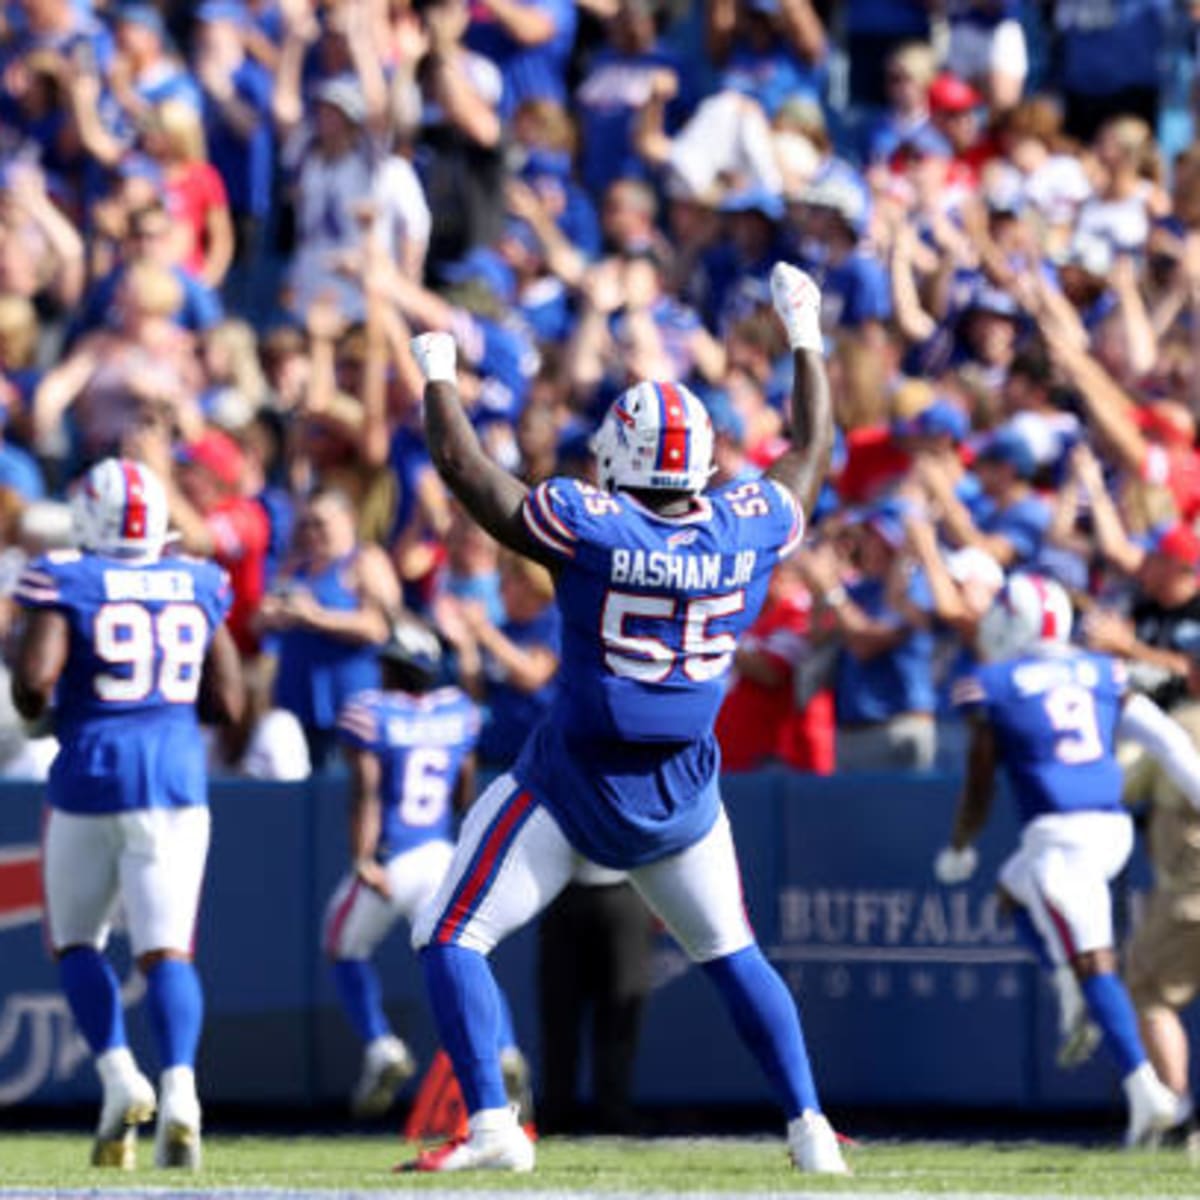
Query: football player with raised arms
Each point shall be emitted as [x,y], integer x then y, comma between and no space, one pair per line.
[1050,714]
[655,580]
[410,749]
[124,648]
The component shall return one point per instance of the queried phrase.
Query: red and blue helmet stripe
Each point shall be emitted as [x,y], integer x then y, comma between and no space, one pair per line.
[134,517]
[674,435]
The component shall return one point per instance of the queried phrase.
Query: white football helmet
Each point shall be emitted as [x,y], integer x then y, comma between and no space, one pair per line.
[1027,610]
[120,508]
[656,436]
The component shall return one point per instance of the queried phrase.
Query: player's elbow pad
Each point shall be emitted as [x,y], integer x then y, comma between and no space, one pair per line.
[1142,721]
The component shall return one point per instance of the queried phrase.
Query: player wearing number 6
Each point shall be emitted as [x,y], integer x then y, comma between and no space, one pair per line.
[123,647]
[410,750]
[1051,715]
[655,580]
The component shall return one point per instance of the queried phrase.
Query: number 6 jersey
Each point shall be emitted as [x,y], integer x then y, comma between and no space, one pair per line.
[421,743]
[1055,715]
[125,705]
[652,607]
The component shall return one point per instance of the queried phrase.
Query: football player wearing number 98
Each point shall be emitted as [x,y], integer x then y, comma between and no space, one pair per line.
[1051,714]
[124,648]
[655,580]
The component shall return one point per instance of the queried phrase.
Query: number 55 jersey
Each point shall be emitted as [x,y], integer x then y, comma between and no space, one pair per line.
[125,705]
[652,607]
[1055,717]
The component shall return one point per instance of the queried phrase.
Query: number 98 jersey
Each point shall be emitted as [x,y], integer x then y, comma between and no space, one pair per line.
[652,606]
[421,743]
[1055,717]
[125,705]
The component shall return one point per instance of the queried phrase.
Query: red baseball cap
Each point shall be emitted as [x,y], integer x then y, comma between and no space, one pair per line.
[1180,544]
[218,454]
[948,93]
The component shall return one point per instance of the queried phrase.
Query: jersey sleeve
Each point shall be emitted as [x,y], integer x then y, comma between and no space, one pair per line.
[213,592]
[359,722]
[555,516]
[41,585]
[767,513]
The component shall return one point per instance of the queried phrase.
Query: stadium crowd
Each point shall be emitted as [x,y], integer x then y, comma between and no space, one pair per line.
[221,224]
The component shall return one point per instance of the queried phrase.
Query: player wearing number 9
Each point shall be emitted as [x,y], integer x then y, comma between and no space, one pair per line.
[1051,714]
[123,647]
[655,579]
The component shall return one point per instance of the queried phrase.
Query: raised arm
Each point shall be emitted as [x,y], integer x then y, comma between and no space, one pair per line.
[803,467]
[489,493]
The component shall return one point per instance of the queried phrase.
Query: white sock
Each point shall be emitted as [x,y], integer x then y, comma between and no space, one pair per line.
[177,1082]
[115,1064]
[492,1120]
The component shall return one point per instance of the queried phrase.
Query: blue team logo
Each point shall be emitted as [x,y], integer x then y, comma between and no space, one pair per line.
[685,537]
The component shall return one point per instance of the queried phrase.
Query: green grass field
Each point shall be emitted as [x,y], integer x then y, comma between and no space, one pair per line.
[41,1162]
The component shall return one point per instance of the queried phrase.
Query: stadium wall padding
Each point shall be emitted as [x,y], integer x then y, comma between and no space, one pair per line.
[911,993]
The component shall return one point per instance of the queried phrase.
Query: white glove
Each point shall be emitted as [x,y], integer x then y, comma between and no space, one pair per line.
[955,866]
[797,300]
[436,355]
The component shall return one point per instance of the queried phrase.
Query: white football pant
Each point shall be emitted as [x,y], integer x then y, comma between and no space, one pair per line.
[358,918]
[512,859]
[152,860]
[1061,875]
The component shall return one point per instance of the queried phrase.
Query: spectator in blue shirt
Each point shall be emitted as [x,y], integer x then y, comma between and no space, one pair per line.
[237,117]
[773,50]
[880,622]
[910,71]
[1013,526]
[150,236]
[530,41]
[1109,60]
[619,80]
[510,667]
[855,291]
[145,73]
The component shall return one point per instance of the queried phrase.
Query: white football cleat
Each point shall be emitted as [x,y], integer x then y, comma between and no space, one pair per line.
[797,300]
[177,1138]
[500,1145]
[128,1102]
[387,1064]
[1153,1108]
[814,1146]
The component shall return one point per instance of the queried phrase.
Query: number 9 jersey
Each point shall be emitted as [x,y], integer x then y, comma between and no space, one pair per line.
[125,705]
[1054,714]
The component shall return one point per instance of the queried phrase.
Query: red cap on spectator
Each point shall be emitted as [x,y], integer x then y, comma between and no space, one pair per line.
[1168,422]
[1180,544]
[218,454]
[948,93]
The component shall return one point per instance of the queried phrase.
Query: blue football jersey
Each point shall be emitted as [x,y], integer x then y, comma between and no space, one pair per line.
[652,608]
[421,743]
[1055,719]
[125,705]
